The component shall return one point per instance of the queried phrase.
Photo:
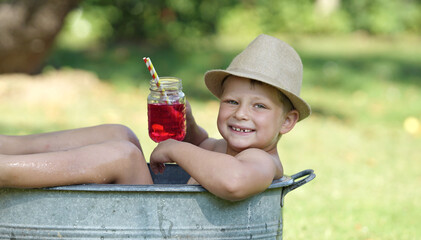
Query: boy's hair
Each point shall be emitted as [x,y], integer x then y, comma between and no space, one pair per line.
[287,105]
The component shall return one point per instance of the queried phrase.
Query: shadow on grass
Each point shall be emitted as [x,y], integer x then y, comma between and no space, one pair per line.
[361,72]
[122,65]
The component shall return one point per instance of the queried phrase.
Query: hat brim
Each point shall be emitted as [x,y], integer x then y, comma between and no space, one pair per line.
[213,80]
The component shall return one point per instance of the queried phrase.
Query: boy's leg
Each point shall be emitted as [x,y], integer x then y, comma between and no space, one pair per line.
[118,162]
[64,140]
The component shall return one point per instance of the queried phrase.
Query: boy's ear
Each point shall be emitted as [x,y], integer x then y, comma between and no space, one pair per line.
[291,118]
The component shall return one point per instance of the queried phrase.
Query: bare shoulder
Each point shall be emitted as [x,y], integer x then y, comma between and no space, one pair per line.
[215,145]
[263,159]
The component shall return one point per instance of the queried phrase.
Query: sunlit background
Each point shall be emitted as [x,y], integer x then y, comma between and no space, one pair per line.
[362,69]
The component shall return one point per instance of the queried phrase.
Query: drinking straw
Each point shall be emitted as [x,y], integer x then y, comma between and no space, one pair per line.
[155,77]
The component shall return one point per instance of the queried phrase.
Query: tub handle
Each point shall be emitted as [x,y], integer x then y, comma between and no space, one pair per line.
[310,176]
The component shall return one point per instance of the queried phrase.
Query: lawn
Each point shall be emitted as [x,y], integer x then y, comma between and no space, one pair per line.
[363,139]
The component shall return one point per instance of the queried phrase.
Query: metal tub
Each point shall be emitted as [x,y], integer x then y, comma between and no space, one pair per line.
[166,210]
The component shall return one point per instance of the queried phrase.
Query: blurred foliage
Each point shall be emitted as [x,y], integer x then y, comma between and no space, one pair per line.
[158,23]
[384,16]
[185,38]
[176,23]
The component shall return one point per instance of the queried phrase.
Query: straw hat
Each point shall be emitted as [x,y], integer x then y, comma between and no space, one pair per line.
[269,60]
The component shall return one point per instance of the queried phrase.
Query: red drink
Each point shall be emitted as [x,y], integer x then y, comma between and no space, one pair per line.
[166,121]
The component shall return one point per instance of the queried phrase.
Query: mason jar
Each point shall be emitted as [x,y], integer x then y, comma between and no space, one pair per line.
[166,109]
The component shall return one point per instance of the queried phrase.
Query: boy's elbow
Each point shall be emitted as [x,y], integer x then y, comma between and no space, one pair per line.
[236,189]
[3,182]
[235,196]
[6,175]
[243,185]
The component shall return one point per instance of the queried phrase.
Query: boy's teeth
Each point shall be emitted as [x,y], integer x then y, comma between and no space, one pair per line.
[241,130]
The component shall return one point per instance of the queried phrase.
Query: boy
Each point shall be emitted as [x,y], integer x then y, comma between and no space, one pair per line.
[259,101]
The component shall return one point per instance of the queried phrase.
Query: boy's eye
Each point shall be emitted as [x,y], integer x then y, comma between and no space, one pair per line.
[260,106]
[231,102]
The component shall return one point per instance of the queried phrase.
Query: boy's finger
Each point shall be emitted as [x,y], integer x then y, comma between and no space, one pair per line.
[161,167]
[154,168]
[157,168]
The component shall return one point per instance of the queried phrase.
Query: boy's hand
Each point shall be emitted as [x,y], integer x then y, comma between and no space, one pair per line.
[189,113]
[160,156]
[194,133]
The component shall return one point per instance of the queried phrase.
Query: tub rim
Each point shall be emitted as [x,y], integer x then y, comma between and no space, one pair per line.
[279,183]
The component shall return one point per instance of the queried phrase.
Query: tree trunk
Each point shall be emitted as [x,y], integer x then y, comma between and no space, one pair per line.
[27,32]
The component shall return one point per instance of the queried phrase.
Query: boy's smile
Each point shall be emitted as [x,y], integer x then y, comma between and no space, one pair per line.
[241,130]
[250,115]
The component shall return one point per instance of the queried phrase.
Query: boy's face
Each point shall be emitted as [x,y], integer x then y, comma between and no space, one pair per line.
[250,115]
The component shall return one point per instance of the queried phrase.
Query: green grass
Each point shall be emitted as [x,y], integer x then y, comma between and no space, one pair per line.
[362,91]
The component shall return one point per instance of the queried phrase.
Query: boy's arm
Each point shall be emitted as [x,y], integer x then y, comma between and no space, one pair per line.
[231,178]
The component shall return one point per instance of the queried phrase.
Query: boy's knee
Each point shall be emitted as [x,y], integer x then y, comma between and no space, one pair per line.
[122,132]
[132,166]
[125,150]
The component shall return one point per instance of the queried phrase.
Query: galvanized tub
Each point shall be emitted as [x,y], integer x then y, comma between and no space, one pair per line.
[166,210]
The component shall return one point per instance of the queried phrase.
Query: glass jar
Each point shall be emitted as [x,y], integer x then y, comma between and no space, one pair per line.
[166,110]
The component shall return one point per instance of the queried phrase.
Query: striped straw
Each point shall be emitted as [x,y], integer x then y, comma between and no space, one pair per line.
[155,77]
[151,69]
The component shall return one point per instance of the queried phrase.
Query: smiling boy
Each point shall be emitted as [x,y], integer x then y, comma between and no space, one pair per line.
[259,102]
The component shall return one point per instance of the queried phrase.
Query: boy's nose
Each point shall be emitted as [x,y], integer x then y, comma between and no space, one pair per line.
[242,113]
